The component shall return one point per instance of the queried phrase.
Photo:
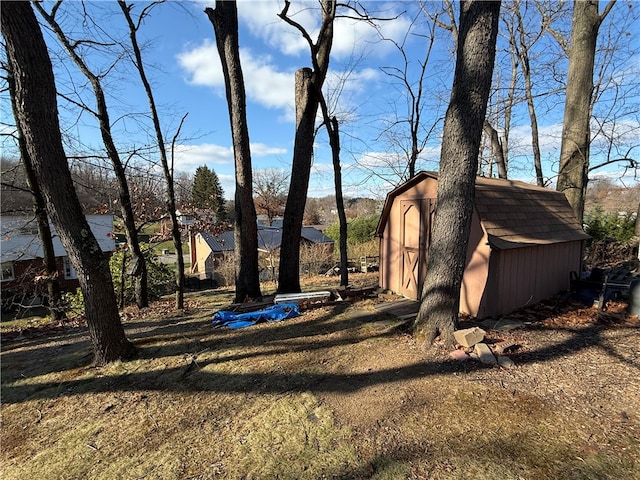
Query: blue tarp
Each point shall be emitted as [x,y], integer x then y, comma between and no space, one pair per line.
[275,313]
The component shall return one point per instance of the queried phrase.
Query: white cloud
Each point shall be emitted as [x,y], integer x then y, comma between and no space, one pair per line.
[190,157]
[261,150]
[550,137]
[263,22]
[351,36]
[264,83]
[202,63]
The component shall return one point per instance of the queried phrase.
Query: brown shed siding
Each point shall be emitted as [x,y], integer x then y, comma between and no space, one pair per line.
[476,271]
[524,243]
[524,276]
[390,242]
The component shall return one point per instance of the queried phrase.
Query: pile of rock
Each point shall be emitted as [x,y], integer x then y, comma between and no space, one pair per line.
[473,348]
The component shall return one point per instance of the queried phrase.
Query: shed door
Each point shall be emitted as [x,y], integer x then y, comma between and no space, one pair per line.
[415,234]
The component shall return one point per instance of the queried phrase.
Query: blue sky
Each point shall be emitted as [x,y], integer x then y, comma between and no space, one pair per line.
[182,60]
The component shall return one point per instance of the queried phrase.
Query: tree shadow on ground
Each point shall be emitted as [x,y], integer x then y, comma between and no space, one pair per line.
[207,348]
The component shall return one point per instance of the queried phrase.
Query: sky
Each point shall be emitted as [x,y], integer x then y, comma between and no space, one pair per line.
[182,60]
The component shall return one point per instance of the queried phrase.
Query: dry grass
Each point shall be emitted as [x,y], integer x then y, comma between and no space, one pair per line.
[340,392]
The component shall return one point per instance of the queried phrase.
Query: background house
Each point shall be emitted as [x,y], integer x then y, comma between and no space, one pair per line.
[525,241]
[21,248]
[188,218]
[208,251]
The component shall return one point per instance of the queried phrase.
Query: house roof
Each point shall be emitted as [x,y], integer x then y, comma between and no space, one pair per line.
[19,238]
[268,238]
[221,242]
[512,213]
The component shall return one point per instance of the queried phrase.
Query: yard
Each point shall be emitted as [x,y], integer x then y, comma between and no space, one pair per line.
[340,392]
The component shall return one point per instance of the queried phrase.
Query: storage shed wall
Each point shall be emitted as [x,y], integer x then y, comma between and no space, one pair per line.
[524,276]
[390,241]
[474,279]
[391,261]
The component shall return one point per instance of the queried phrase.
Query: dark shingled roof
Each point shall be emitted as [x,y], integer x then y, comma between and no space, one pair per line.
[513,214]
[268,238]
[516,214]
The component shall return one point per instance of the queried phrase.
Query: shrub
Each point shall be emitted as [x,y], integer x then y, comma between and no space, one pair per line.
[601,225]
[359,229]
[73,302]
[159,275]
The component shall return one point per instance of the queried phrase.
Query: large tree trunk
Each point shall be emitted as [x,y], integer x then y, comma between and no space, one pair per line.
[307,85]
[306,109]
[576,134]
[138,265]
[42,220]
[225,24]
[463,125]
[38,120]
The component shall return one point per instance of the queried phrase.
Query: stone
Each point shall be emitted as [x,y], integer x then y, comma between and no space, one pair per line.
[484,354]
[505,362]
[459,355]
[469,336]
[501,347]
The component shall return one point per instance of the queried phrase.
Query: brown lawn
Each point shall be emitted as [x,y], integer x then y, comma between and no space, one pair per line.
[339,392]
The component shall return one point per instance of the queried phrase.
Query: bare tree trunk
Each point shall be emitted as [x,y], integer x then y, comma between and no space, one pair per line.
[42,220]
[168,172]
[342,217]
[576,133]
[308,83]
[37,118]
[225,24]
[138,265]
[333,132]
[528,89]
[476,46]
[306,108]
[508,109]
[496,147]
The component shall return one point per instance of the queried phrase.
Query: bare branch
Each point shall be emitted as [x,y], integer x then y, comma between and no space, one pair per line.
[283,15]
[174,139]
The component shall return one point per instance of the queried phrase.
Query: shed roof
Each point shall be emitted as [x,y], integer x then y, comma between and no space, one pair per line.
[512,213]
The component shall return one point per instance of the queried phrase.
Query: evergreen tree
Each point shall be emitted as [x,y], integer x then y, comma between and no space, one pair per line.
[207,192]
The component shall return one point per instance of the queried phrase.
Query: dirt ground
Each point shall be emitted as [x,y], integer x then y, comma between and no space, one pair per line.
[341,391]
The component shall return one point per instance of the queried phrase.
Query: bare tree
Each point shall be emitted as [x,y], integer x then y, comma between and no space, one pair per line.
[308,83]
[496,147]
[224,18]
[138,267]
[476,47]
[37,117]
[332,126]
[270,192]
[522,50]
[40,212]
[576,131]
[166,168]
[412,90]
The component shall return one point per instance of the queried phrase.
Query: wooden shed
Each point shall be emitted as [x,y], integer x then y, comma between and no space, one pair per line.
[524,243]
